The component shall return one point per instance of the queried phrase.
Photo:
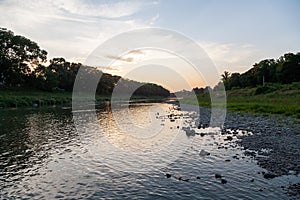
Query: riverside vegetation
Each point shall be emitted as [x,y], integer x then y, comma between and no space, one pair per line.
[26,79]
[277,99]
[270,86]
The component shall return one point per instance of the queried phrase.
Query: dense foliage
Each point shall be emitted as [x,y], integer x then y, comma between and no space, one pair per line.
[18,57]
[284,70]
[23,64]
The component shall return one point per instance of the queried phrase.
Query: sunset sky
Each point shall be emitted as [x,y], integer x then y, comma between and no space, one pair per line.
[234,34]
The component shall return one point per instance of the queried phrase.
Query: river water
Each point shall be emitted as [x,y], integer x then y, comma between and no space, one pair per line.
[126,153]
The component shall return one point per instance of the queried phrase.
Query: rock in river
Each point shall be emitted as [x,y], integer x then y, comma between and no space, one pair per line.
[204,153]
[269,175]
[218,176]
[223,181]
[168,175]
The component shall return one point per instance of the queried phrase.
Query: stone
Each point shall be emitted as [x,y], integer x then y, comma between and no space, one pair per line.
[204,153]
[223,181]
[229,138]
[269,175]
[218,176]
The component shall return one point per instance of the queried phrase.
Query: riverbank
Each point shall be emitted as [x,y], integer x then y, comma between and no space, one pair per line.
[283,100]
[272,141]
[20,97]
[14,98]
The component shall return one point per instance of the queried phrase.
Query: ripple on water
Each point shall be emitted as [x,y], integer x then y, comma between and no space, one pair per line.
[44,157]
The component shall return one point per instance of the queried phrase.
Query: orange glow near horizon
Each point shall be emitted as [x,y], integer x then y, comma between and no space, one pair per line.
[157,67]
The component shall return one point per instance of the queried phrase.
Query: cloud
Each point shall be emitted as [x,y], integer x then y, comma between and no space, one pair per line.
[136,51]
[111,10]
[108,68]
[73,28]
[129,59]
[231,56]
[154,19]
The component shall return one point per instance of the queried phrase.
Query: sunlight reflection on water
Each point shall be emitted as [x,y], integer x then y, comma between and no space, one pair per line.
[42,156]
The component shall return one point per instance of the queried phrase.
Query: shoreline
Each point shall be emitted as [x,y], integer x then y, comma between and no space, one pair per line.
[274,141]
[38,99]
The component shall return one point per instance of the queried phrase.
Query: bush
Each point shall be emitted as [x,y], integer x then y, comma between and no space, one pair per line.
[267,88]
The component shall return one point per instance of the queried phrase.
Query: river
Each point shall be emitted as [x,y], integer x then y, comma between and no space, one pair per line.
[151,150]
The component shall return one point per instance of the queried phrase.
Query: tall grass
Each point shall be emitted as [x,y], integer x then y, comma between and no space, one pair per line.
[285,100]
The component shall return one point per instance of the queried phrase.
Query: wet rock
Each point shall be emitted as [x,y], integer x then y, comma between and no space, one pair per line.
[291,172]
[294,190]
[277,153]
[229,138]
[202,134]
[218,176]
[250,153]
[190,132]
[204,153]
[182,179]
[168,175]
[269,175]
[223,181]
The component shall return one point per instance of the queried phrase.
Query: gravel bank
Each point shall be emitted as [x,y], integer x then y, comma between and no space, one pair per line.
[274,142]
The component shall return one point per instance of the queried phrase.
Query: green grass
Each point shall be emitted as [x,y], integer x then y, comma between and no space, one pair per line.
[284,101]
[17,97]
[23,97]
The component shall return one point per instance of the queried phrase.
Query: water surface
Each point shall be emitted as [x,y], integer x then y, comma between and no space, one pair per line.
[43,155]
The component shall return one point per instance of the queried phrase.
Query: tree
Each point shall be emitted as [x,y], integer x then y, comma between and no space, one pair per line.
[19,57]
[234,80]
[225,76]
[289,68]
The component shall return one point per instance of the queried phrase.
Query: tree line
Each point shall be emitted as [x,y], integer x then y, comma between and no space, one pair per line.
[23,64]
[284,70]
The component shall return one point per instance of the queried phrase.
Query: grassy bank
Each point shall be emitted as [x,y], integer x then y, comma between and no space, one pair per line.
[271,99]
[21,97]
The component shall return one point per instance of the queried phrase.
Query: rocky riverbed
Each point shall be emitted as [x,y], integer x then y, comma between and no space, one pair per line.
[273,141]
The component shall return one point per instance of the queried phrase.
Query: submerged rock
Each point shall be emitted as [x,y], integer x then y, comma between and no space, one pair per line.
[294,190]
[269,175]
[218,176]
[202,134]
[204,153]
[182,179]
[168,175]
[229,138]
[223,181]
